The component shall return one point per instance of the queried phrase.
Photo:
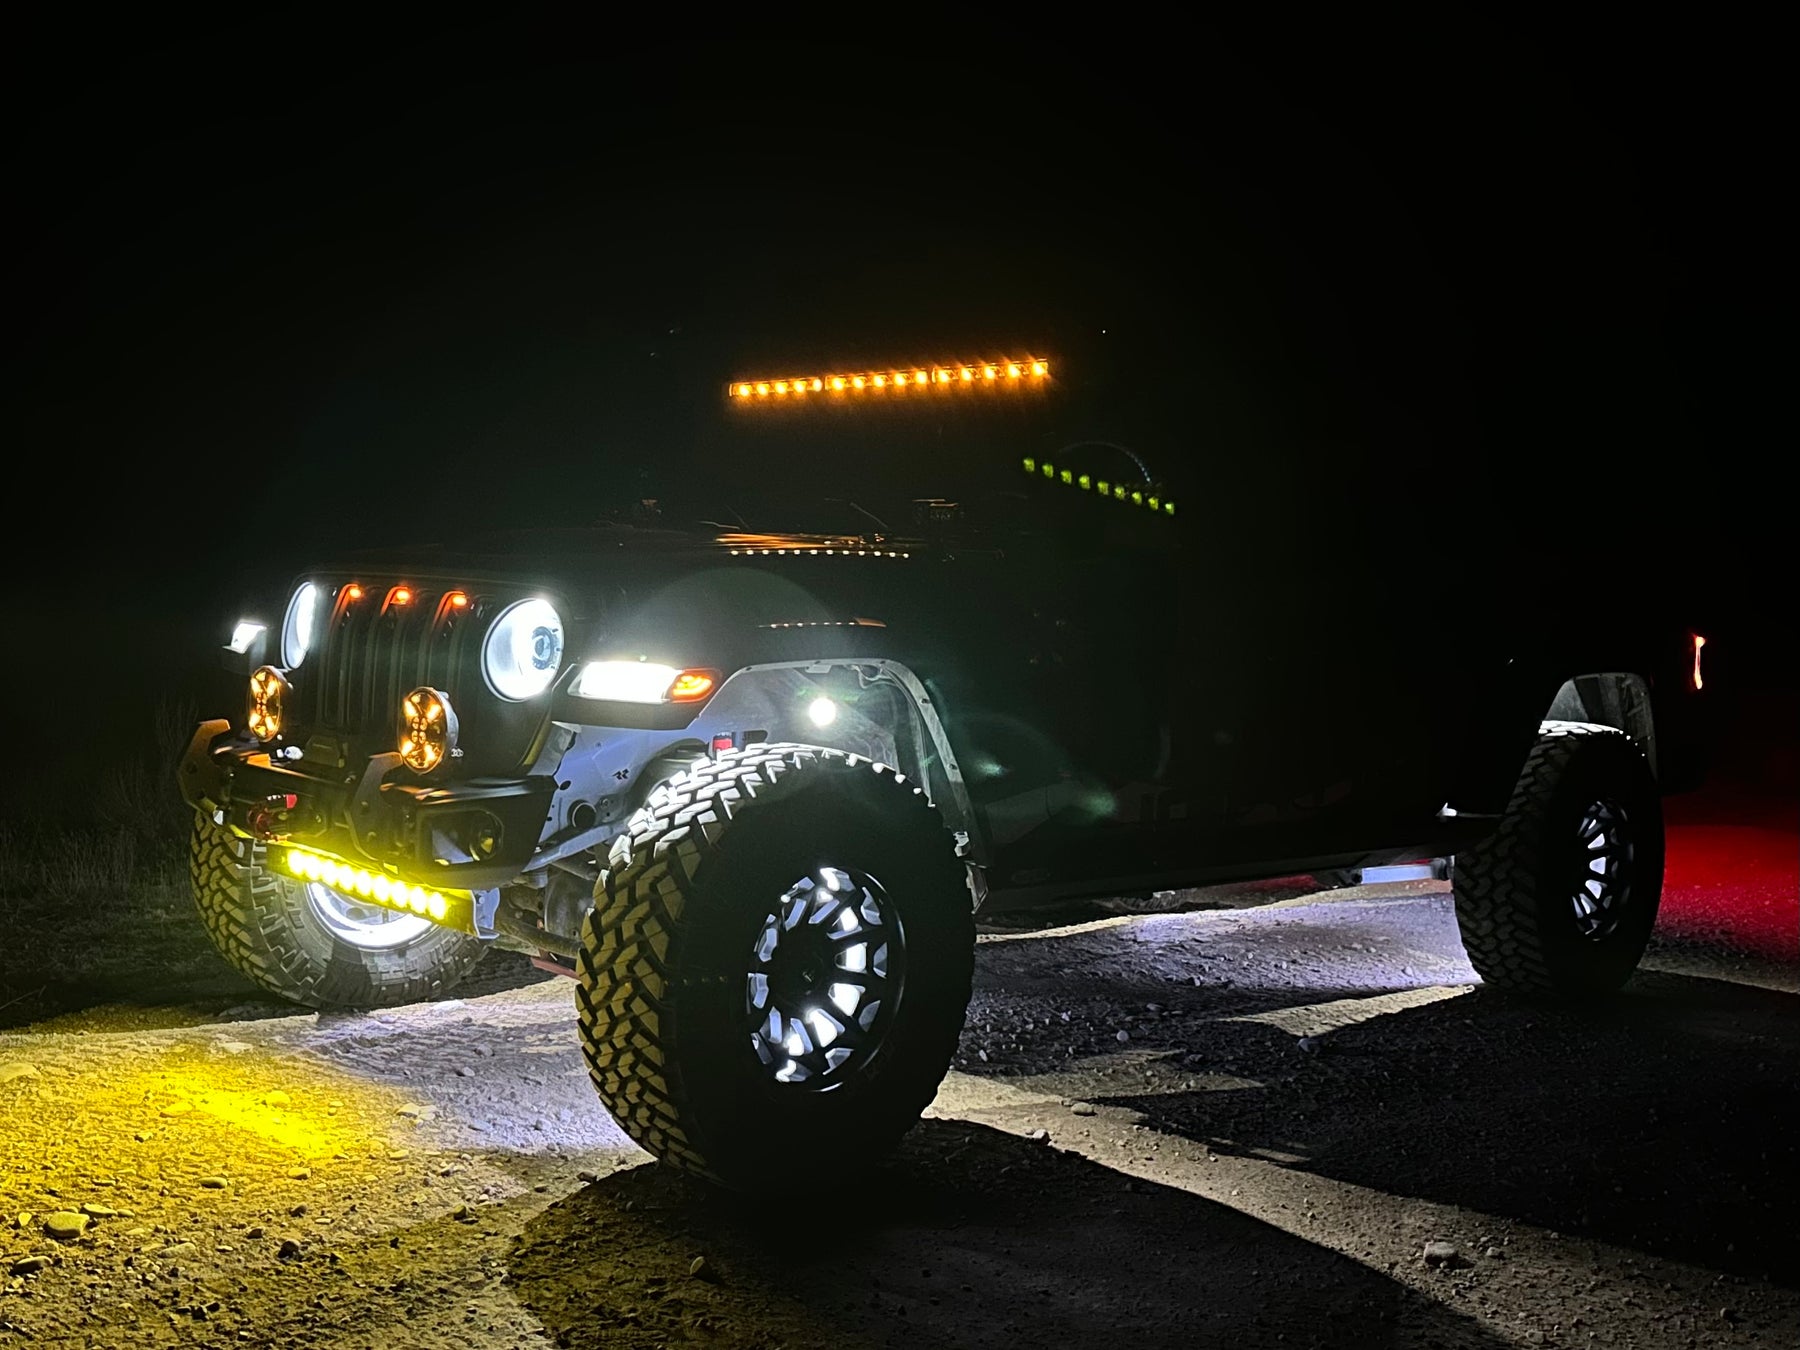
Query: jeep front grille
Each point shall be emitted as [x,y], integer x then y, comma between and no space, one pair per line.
[384,638]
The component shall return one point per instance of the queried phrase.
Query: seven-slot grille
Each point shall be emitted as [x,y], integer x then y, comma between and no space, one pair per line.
[379,640]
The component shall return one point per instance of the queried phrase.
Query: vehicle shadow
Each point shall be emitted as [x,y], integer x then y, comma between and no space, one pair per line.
[1660,1121]
[968,1237]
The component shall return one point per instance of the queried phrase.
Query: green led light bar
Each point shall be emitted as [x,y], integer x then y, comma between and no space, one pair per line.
[1088,483]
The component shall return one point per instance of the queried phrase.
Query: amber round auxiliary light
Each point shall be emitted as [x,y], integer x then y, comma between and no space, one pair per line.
[268,692]
[427,729]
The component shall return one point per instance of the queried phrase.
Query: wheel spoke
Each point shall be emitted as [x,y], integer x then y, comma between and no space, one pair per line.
[852,1037]
[1603,885]
[818,978]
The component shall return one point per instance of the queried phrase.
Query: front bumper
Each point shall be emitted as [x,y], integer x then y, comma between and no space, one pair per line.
[471,836]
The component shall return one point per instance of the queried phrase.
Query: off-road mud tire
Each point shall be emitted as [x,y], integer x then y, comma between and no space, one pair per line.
[262,924]
[663,967]
[1513,890]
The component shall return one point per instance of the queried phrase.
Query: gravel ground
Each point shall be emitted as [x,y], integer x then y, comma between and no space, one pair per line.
[1296,1125]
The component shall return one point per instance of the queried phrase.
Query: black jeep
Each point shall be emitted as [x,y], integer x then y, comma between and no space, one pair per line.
[925,641]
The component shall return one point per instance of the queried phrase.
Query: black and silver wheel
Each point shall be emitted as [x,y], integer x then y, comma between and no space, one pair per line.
[1561,898]
[827,970]
[310,943]
[780,950]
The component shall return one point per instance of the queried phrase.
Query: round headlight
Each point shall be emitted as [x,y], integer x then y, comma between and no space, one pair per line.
[297,628]
[524,649]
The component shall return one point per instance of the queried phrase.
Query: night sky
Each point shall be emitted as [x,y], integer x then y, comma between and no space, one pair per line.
[275,292]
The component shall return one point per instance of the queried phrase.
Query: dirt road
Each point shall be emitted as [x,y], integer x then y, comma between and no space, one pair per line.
[1235,1126]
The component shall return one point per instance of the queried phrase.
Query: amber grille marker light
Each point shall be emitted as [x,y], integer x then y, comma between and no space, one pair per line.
[1005,373]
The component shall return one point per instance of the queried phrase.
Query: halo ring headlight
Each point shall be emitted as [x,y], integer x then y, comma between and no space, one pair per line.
[523,650]
[299,624]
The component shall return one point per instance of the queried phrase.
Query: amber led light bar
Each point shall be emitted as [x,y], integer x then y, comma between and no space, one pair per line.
[454,909]
[981,375]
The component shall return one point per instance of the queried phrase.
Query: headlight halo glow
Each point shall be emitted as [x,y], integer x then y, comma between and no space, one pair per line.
[299,624]
[523,650]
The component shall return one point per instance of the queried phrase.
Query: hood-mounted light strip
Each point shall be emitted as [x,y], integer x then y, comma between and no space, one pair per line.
[939,379]
[1088,483]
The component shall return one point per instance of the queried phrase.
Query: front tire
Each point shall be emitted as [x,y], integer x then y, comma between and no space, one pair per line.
[308,944]
[1561,898]
[778,959]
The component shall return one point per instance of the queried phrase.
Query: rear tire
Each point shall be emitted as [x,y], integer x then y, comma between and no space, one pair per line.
[778,960]
[272,929]
[1560,900]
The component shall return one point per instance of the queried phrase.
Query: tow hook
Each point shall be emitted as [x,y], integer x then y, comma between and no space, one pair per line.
[268,819]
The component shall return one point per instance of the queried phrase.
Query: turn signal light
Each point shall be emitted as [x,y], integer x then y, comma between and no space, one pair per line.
[690,685]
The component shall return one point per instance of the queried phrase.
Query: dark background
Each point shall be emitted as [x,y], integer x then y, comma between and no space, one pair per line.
[273,291]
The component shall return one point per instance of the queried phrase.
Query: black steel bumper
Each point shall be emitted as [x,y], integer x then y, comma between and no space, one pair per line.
[471,836]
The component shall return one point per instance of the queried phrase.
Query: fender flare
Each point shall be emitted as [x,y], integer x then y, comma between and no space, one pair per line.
[935,764]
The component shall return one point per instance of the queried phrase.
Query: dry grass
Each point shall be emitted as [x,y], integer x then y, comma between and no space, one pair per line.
[45,865]
[137,839]
[98,914]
